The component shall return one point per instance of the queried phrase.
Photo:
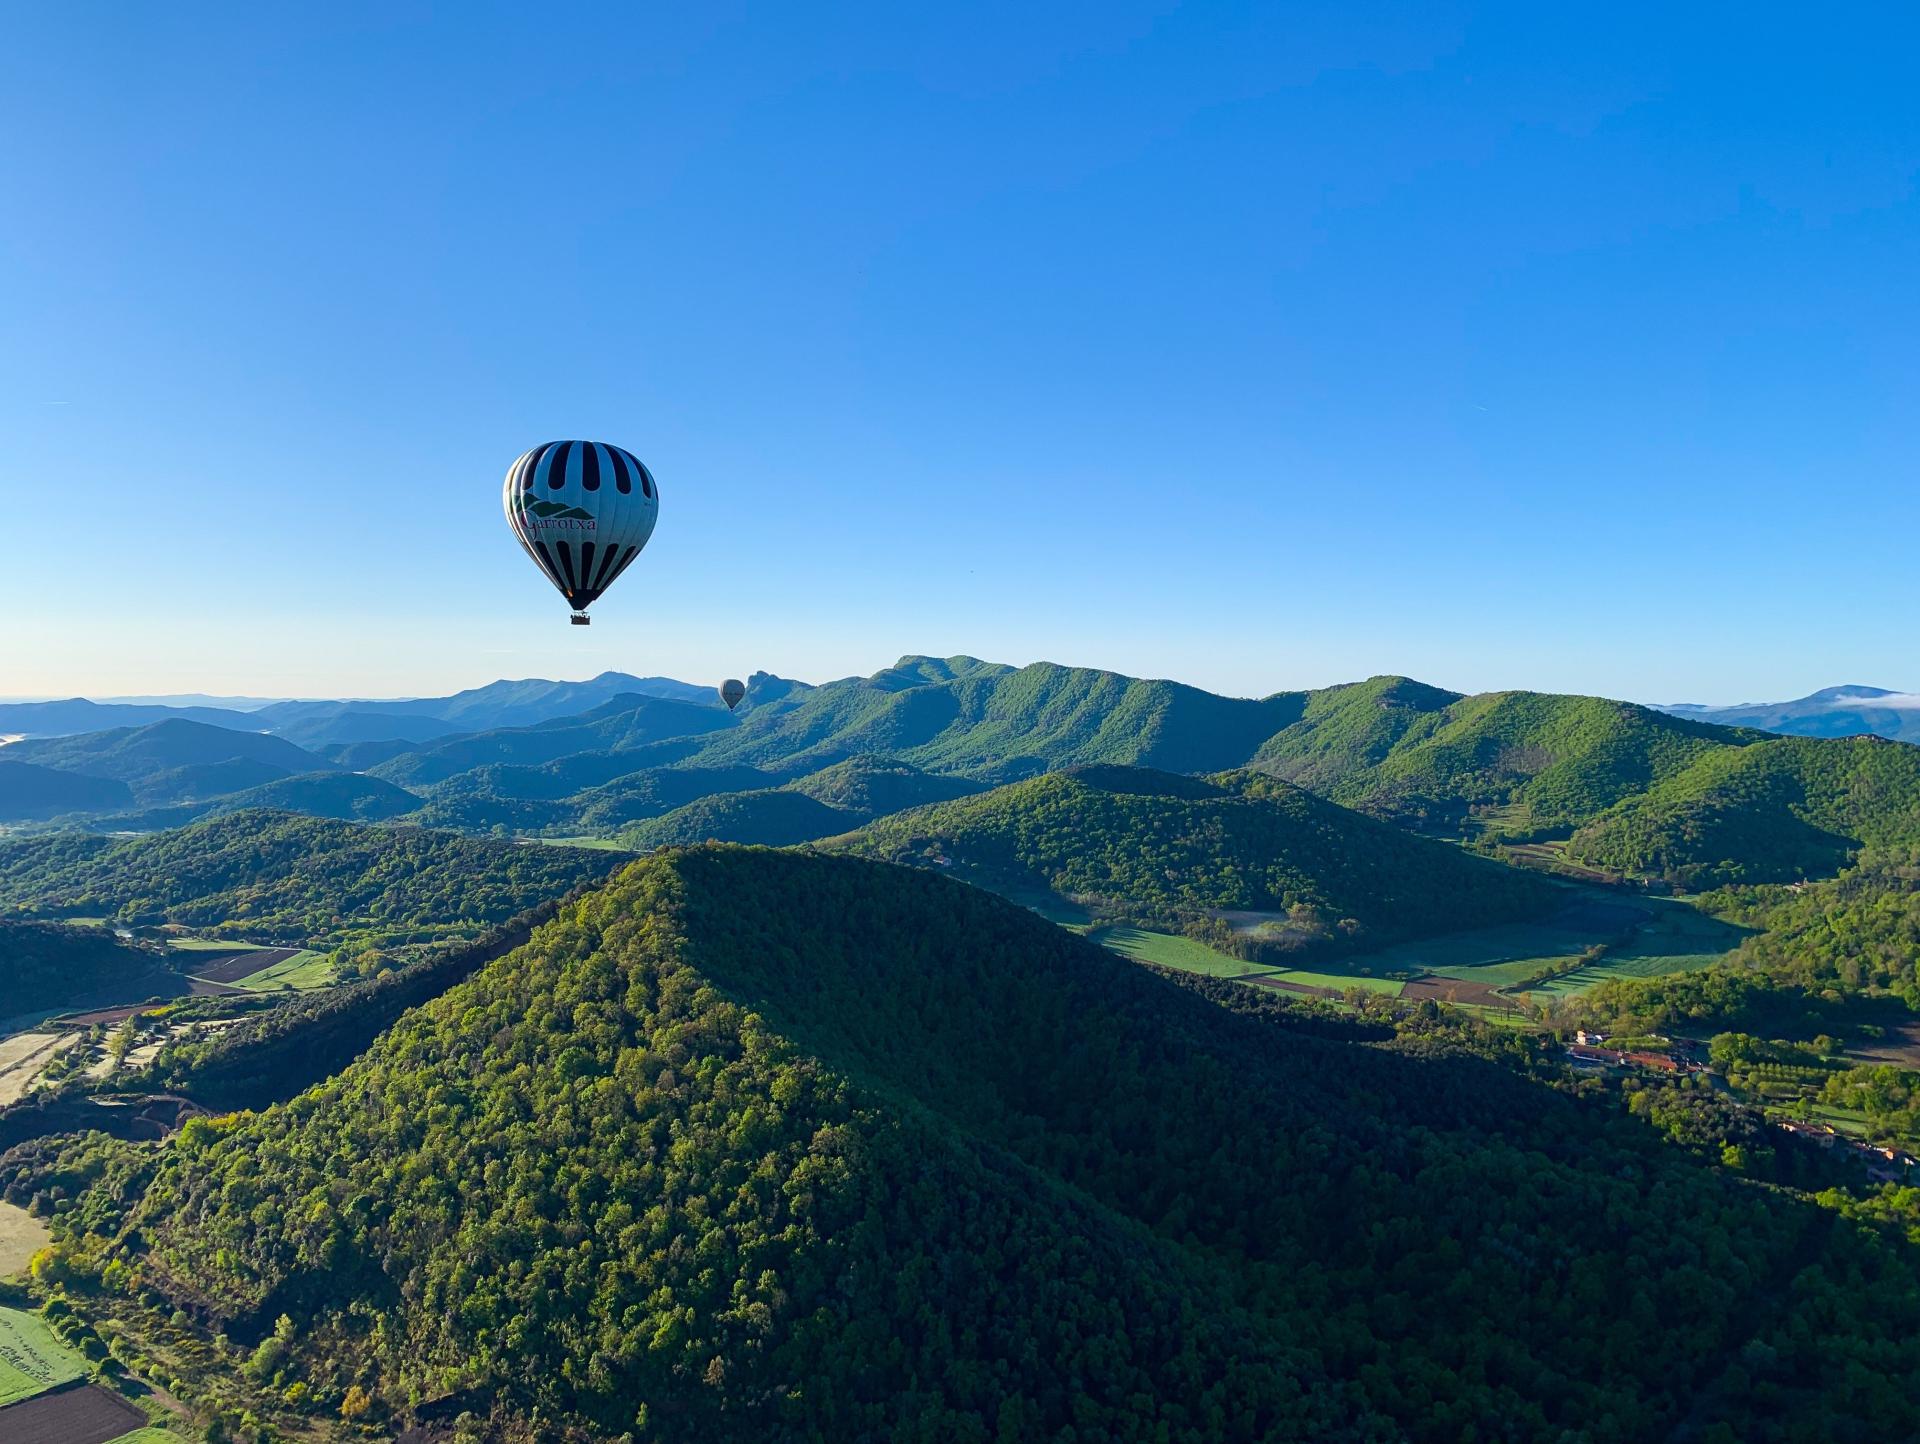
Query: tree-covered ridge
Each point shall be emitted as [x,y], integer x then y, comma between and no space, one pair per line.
[1167,848]
[874,786]
[51,965]
[1404,750]
[1788,807]
[774,817]
[996,723]
[276,877]
[820,804]
[755,1145]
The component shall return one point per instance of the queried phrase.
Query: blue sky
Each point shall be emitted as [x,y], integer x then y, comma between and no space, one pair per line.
[1555,346]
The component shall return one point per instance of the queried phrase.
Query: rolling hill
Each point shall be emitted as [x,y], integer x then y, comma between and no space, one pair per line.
[29,792]
[1162,848]
[774,817]
[76,715]
[753,1145]
[817,805]
[962,715]
[276,877]
[624,724]
[1523,761]
[1782,809]
[155,758]
[342,795]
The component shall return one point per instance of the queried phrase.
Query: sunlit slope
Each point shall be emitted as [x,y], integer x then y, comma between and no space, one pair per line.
[994,722]
[1786,808]
[756,1145]
[1401,749]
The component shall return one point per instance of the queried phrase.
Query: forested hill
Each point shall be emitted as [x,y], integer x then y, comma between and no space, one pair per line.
[1523,761]
[976,718]
[1786,808]
[1691,800]
[1167,848]
[272,877]
[773,1146]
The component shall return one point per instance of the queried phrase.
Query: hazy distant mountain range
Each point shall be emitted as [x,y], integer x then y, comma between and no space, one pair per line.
[1831,712]
[323,722]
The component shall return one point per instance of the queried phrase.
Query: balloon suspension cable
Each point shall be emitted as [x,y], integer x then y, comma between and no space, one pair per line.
[581,619]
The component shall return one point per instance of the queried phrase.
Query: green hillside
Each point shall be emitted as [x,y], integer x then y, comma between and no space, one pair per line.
[1522,761]
[774,817]
[1158,847]
[1786,808]
[275,877]
[874,786]
[817,805]
[755,1145]
[966,716]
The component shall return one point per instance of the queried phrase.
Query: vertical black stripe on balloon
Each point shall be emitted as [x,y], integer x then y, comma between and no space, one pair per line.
[590,465]
[646,477]
[621,566]
[586,564]
[606,565]
[546,563]
[566,565]
[533,465]
[622,478]
[557,466]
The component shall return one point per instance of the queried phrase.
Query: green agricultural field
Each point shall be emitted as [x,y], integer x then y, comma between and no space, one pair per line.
[1494,956]
[1336,982]
[1678,939]
[32,1360]
[600,844]
[306,969]
[1171,951]
[149,1435]
[212,945]
[1673,938]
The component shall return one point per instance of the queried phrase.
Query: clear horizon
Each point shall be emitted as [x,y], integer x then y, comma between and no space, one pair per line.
[1257,347]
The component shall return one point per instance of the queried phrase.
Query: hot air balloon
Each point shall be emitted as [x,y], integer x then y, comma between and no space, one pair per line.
[583,510]
[731,691]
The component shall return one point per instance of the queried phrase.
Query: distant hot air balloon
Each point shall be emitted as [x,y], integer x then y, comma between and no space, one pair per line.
[583,510]
[731,691]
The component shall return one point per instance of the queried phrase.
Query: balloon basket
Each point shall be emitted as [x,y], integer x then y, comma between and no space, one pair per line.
[581,619]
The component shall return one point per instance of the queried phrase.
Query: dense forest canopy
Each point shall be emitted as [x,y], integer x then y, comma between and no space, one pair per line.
[276,877]
[1785,808]
[1167,849]
[755,1145]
